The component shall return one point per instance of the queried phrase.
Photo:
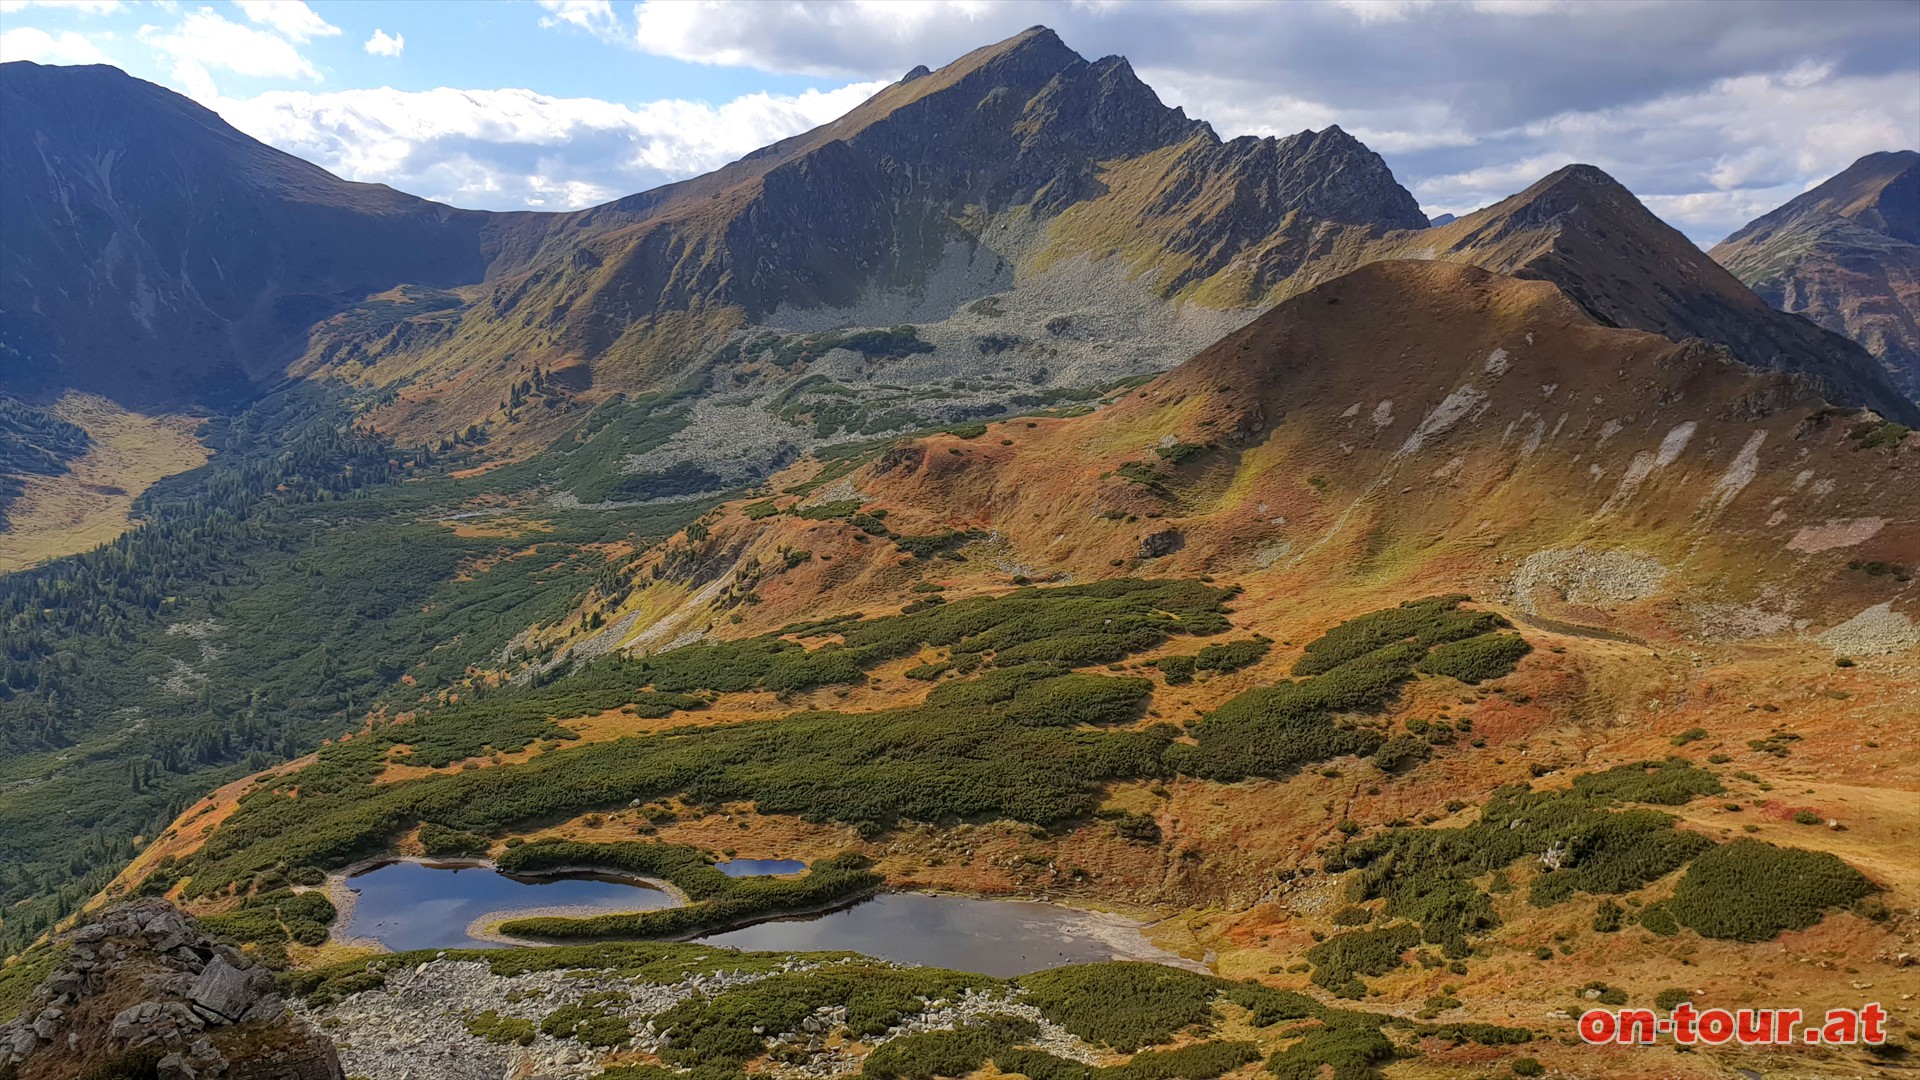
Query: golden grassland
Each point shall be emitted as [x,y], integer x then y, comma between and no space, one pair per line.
[91,503]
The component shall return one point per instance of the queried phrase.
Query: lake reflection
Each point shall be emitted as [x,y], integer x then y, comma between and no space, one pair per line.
[408,905]
[992,937]
[758,867]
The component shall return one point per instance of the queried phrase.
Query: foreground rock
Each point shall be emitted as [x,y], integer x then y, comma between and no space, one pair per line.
[141,992]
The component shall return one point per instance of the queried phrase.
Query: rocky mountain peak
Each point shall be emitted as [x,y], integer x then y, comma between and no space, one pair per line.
[1037,45]
[1846,254]
[1575,190]
[1584,231]
[1334,176]
[1879,193]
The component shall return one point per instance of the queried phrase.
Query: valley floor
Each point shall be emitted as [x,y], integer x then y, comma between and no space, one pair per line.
[89,504]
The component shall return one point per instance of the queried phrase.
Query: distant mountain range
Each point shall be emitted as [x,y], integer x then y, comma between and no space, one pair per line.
[161,256]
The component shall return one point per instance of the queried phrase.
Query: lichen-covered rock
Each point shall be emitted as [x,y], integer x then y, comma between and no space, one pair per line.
[224,989]
[142,991]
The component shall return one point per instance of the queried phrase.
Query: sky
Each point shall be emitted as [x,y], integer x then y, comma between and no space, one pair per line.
[1712,112]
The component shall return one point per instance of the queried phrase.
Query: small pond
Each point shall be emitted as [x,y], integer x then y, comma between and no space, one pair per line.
[407,905]
[993,937]
[758,867]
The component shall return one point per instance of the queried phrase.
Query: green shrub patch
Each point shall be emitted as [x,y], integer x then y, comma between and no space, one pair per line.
[1123,1004]
[1022,737]
[274,918]
[1357,666]
[1232,655]
[1749,890]
[1581,844]
[1475,659]
[1432,621]
[1351,1051]
[440,842]
[716,899]
[1340,961]
[1177,670]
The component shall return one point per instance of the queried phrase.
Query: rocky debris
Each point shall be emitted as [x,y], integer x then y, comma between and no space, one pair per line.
[1164,542]
[1585,577]
[841,490]
[141,983]
[977,1005]
[414,1025]
[1877,631]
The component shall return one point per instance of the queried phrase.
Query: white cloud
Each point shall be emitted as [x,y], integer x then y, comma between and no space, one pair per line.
[290,17]
[204,42]
[1709,160]
[384,44]
[869,37]
[513,149]
[83,7]
[65,47]
[593,16]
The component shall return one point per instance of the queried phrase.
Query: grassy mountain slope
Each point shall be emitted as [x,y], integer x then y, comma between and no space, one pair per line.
[1577,228]
[81,495]
[1492,417]
[1670,553]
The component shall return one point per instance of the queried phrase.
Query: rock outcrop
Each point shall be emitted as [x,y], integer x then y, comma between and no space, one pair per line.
[140,991]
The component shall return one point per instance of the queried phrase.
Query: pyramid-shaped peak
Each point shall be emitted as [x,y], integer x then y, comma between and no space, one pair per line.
[1576,188]
[1880,192]
[1578,176]
[1034,41]
[1038,32]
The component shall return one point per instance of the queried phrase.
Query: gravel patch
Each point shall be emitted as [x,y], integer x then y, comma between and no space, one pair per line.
[414,1027]
[1877,631]
[1581,576]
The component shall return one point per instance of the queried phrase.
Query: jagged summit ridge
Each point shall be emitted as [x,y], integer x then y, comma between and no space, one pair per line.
[872,201]
[1025,132]
[1070,160]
